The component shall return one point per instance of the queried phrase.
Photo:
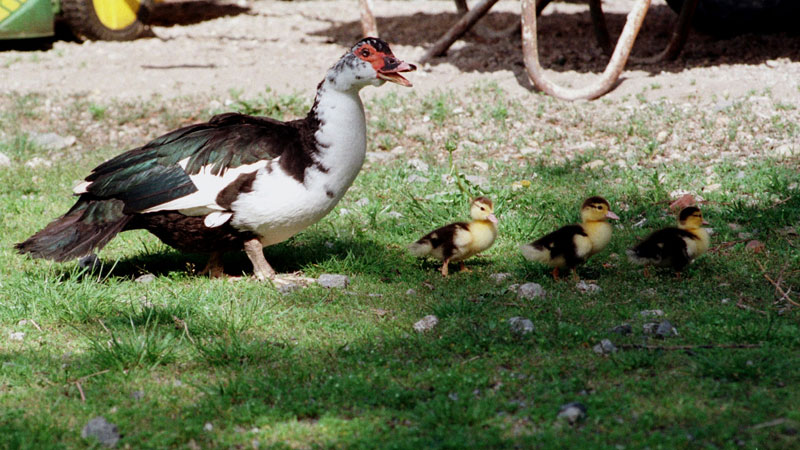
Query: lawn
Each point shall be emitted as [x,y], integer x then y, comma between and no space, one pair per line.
[185,361]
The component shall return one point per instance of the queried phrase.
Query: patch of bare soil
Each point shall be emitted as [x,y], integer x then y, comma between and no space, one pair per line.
[209,48]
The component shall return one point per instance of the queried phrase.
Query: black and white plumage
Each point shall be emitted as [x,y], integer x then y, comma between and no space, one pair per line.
[235,182]
[674,247]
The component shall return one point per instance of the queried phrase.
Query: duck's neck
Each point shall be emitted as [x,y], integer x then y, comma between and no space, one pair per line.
[599,232]
[341,135]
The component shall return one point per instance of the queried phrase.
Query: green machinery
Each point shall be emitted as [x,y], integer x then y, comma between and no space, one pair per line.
[117,20]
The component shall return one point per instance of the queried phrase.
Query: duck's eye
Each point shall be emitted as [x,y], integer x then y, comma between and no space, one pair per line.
[365,52]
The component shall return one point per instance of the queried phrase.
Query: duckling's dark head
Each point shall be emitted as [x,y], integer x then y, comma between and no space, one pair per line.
[691,217]
[595,209]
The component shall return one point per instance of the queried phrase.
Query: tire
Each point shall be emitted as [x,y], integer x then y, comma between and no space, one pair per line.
[107,20]
[729,17]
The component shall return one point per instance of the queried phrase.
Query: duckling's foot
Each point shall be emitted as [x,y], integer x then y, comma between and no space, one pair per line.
[555,274]
[261,268]
[444,268]
[575,276]
[214,266]
[646,272]
[464,268]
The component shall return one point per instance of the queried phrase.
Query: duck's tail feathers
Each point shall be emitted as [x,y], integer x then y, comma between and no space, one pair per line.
[636,258]
[87,227]
[420,248]
[535,252]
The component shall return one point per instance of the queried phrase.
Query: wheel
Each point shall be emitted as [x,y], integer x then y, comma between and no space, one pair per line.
[110,20]
[729,17]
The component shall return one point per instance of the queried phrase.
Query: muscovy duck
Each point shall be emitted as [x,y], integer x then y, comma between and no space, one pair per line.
[235,182]
[674,247]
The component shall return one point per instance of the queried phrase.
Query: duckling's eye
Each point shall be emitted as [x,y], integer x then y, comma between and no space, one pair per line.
[365,52]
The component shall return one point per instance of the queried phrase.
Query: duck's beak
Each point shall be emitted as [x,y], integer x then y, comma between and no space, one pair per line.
[391,70]
[705,222]
[610,214]
[492,218]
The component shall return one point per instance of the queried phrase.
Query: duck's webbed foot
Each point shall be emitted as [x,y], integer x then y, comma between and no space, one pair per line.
[445,270]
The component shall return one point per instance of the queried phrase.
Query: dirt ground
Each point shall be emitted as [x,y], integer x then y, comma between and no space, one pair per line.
[202,47]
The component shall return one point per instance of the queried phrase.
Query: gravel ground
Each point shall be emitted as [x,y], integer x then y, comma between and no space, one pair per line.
[210,48]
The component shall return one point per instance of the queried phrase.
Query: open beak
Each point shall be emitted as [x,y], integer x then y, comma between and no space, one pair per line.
[392,68]
[610,214]
[492,218]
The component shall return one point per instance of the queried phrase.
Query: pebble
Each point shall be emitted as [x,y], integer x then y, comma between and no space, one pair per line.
[427,323]
[394,214]
[605,347]
[418,164]
[572,412]
[650,327]
[146,278]
[414,178]
[16,336]
[480,165]
[51,141]
[500,277]
[588,288]
[208,426]
[288,288]
[530,291]
[5,161]
[374,157]
[623,329]
[363,201]
[665,329]
[411,292]
[91,262]
[37,161]
[755,246]
[520,325]
[103,430]
[328,280]
[591,165]
[651,313]
[478,180]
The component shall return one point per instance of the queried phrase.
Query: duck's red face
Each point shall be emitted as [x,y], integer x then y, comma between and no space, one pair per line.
[384,62]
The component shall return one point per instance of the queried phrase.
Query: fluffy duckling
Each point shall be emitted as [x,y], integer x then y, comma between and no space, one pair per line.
[458,241]
[572,245]
[674,247]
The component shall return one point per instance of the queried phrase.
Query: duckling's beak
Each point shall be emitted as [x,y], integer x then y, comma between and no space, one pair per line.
[391,70]
[705,222]
[610,214]
[492,218]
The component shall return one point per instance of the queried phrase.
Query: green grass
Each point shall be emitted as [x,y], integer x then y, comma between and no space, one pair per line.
[344,368]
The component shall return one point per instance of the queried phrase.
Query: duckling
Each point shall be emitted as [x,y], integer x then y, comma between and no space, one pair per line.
[671,246]
[572,245]
[458,241]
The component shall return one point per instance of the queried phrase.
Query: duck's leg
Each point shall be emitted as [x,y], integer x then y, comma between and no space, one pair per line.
[444,268]
[463,267]
[646,272]
[555,273]
[575,276]
[255,252]
[214,266]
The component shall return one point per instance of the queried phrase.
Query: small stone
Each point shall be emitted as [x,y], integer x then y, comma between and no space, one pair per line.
[16,336]
[623,329]
[480,165]
[91,262]
[651,313]
[411,292]
[288,288]
[588,288]
[379,157]
[572,412]
[650,327]
[344,211]
[427,323]
[208,426]
[418,164]
[101,429]
[414,178]
[146,278]
[38,162]
[177,383]
[394,214]
[500,277]
[712,187]
[137,395]
[755,246]
[328,280]
[477,180]
[725,301]
[363,201]
[595,164]
[735,227]
[665,330]
[605,347]
[5,161]
[380,312]
[520,325]
[649,292]
[662,136]
[529,291]
[51,141]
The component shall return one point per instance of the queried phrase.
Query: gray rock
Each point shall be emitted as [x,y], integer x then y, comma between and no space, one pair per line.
[38,161]
[146,278]
[411,292]
[623,329]
[665,329]
[394,214]
[51,141]
[605,347]
[16,336]
[418,164]
[414,178]
[427,323]
[572,412]
[5,161]
[288,288]
[520,325]
[588,288]
[101,429]
[651,313]
[379,157]
[530,291]
[650,327]
[208,426]
[91,262]
[328,280]
[478,180]
[363,201]
[500,277]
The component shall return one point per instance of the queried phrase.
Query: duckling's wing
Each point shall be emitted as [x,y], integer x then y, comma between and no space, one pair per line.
[445,242]
[667,247]
[569,243]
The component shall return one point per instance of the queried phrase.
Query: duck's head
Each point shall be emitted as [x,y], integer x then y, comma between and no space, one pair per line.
[691,218]
[596,209]
[482,209]
[369,61]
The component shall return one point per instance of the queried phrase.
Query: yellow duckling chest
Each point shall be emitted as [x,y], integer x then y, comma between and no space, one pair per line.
[483,235]
[599,233]
[698,246]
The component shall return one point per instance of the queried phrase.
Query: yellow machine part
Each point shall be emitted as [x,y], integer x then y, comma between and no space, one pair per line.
[116,14]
